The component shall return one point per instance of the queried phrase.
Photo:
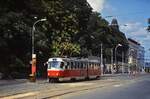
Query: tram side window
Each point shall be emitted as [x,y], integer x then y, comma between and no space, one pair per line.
[78,66]
[67,65]
[75,65]
[62,65]
[95,66]
[71,65]
[85,64]
[92,65]
[98,65]
[81,65]
[89,65]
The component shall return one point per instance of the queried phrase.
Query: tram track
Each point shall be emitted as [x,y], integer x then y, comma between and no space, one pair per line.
[47,90]
[52,93]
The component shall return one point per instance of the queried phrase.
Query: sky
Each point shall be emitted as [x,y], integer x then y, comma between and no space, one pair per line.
[132,17]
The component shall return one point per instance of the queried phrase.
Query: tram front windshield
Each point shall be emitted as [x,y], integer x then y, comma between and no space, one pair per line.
[55,64]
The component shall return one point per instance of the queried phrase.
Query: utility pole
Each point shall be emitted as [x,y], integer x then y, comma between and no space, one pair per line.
[122,62]
[102,66]
[112,69]
[33,67]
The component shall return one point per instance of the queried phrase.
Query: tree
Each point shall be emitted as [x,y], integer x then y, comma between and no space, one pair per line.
[15,40]
[71,29]
[16,22]
[98,31]
[89,40]
[64,20]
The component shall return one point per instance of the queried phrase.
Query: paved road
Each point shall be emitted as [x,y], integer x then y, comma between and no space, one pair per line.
[43,89]
[136,89]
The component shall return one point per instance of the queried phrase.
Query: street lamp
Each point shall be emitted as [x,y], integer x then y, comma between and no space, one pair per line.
[112,61]
[102,66]
[33,29]
[115,54]
[101,56]
[33,53]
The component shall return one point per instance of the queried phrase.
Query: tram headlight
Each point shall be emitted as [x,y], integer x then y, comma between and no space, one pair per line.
[57,74]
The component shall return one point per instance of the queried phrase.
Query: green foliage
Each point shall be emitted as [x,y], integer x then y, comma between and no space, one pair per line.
[66,19]
[16,63]
[67,49]
[15,34]
[98,31]
[71,29]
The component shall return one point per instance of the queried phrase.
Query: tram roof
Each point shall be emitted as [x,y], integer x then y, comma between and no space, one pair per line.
[73,59]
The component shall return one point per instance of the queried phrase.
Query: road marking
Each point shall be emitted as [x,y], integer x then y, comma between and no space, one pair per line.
[118,85]
[78,84]
[20,95]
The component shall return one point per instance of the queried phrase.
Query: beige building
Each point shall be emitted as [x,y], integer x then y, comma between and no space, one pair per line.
[135,55]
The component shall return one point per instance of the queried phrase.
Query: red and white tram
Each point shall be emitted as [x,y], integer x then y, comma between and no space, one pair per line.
[60,69]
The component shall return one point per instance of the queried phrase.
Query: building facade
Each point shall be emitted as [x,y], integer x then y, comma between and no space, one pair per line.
[135,55]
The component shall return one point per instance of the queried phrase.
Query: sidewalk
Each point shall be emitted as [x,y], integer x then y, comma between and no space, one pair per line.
[19,81]
[114,75]
[12,81]
[124,76]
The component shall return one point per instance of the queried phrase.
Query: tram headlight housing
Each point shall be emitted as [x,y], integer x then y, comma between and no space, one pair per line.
[57,74]
[48,74]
